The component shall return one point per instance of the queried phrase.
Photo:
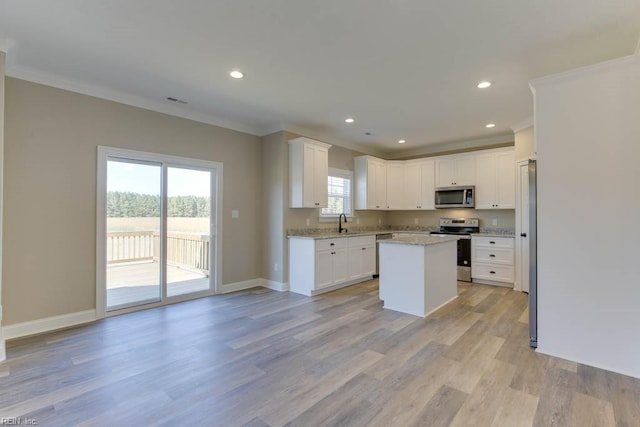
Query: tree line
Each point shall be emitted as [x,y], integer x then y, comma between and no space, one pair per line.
[126,205]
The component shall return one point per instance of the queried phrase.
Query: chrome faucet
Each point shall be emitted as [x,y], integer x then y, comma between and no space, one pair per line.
[340,227]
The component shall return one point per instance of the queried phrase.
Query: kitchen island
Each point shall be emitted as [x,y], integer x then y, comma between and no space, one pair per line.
[418,274]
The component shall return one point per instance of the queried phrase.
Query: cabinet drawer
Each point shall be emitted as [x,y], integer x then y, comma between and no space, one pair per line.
[499,273]
[326,244]
[493,255]
[493,242]
[361,241]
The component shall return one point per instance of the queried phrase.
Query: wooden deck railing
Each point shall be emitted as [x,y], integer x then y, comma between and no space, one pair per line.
[183,250]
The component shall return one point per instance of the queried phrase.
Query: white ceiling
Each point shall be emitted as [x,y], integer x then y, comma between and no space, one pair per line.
[404,69]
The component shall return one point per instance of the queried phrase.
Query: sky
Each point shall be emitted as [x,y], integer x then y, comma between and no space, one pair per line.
[145,179]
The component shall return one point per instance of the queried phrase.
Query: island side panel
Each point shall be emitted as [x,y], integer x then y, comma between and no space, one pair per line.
[302,265]
[401,280]
[440,272]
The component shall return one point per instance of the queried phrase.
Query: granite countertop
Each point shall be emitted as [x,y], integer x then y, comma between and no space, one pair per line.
[506,233]
[332,234]
[419,240]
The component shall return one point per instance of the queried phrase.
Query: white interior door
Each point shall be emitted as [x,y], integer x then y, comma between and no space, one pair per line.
[522,227]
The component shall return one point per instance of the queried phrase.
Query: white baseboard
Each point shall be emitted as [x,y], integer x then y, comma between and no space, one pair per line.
[241,286]
[3,348]
[47,324]
[635,373]
[276,286]
[440,306]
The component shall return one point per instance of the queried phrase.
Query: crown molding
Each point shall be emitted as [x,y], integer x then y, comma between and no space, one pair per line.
[330,139]
[56,81]
[452,146]
[527,123]
[589,69]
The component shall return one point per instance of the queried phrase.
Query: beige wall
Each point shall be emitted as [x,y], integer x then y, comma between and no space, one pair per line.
[274,199]
[524,144]
[51,144]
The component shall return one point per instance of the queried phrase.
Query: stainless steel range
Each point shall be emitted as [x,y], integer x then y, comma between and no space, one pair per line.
[462,227]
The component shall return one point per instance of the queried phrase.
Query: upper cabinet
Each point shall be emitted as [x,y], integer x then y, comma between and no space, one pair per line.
[454,170]
[419,188]
[396,185]
[308,173]
[410,184]
[370,183]
[495,180]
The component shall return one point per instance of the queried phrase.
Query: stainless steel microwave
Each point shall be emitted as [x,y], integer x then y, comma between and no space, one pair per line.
[455,197]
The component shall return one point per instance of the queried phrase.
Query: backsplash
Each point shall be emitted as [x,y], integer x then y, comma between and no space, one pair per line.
[497,230]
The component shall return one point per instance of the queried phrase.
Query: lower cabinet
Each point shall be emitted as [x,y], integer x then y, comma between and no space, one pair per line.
[492,260]
[317,266]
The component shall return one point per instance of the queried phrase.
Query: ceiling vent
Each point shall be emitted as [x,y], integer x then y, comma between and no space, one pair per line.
[179,101]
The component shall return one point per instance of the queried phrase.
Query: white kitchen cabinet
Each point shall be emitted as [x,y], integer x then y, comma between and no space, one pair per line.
[492,260]
[495,180]
[317,266]
[308,173]
[396,185]
[419,187]
[362,257]
[370,183]
[455,170]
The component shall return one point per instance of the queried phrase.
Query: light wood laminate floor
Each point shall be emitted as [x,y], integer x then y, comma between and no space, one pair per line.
[266,358]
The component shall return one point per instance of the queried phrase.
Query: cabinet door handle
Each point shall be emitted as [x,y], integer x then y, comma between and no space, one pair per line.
[493,243]
[364,249]
[333,253]
[332,244]
[523,234]
[492,256]
[492,272]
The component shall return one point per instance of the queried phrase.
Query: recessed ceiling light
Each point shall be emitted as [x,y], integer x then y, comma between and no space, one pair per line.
[484,85]
[349,120]
[236,74]
[490,125]
[402,141]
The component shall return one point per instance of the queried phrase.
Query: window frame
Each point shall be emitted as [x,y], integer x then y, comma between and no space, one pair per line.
[345,174]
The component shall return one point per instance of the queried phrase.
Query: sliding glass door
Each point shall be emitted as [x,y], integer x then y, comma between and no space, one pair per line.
[157,217]
[188,230]
[133,228]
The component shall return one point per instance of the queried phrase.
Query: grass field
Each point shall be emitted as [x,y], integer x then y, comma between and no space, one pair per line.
[186,225]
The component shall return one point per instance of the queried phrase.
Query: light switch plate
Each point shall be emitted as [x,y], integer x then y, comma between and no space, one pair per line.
[494,222]
[235,213]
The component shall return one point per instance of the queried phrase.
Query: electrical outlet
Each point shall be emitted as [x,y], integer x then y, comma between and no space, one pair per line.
[308,221]
[379,221]
[275,267]
[415,221]
[494,222]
